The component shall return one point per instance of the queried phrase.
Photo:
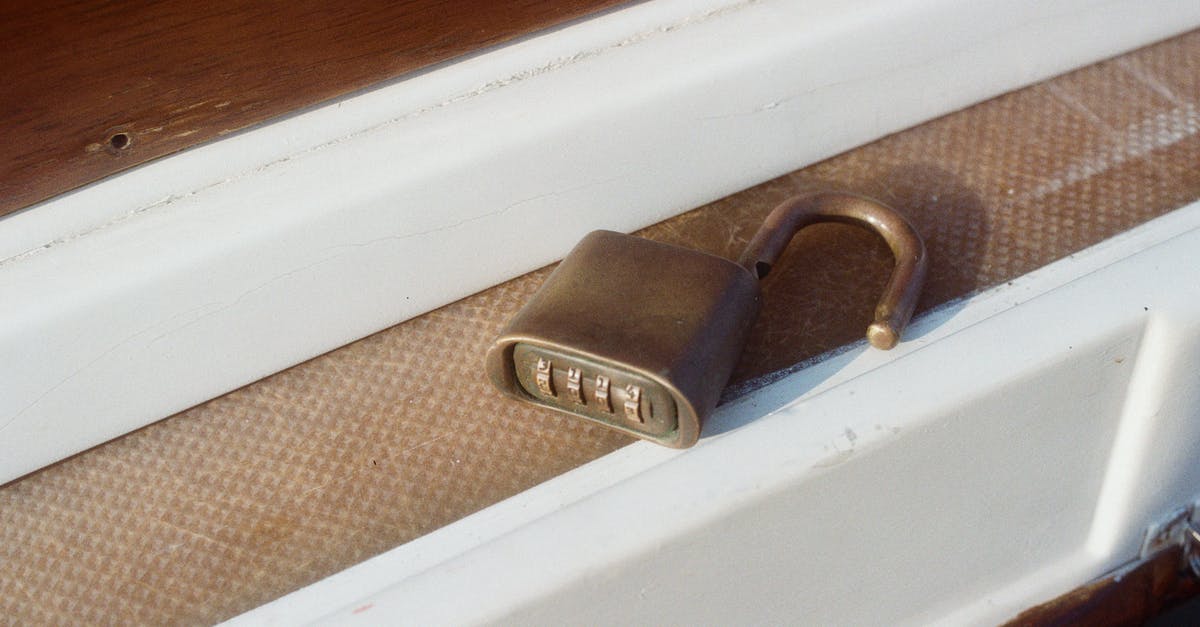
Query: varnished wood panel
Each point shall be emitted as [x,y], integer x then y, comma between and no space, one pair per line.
[1130,598]
[93,87]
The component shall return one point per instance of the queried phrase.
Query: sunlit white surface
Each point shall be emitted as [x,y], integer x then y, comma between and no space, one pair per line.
[1016,448]
[152,291]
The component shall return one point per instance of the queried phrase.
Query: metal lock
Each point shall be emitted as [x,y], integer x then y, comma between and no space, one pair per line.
[641,336]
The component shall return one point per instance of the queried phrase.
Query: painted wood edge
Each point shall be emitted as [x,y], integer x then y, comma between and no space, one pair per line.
[560,542]
[93,89]
[155,290]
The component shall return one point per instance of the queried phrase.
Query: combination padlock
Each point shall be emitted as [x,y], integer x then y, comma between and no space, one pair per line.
[642,336]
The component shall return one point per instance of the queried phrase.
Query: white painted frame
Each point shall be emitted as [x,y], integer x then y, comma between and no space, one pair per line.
[1018,447]
[152,291]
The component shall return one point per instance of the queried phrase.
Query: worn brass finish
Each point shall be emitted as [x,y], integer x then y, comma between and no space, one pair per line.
[641,336]
[899,298]
[598,387]
[663,326]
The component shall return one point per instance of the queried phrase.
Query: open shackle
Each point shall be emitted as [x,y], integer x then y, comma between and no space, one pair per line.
[899,298]
[641,336]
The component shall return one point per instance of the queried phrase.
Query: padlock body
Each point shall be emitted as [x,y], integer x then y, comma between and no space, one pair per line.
[638,335]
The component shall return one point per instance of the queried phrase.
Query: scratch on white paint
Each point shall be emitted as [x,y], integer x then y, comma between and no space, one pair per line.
[8,422]
[843,450]
[220,307]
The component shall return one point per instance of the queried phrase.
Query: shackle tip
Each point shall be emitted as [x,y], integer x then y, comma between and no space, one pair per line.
[881,335]
[899,298]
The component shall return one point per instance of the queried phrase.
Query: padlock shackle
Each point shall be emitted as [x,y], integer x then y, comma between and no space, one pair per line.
[899,298]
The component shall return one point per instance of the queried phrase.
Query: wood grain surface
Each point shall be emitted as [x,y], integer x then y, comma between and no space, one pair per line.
[94,87]
[1130,598]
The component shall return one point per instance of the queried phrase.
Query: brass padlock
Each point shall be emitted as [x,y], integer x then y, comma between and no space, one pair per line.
[641,336]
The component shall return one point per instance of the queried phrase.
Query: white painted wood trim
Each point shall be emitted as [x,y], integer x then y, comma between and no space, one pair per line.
[1018,447]
[152,291]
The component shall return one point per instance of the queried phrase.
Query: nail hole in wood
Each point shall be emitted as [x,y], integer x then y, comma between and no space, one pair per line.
[119,141]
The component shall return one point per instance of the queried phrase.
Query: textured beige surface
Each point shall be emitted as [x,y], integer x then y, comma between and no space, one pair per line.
[271,487]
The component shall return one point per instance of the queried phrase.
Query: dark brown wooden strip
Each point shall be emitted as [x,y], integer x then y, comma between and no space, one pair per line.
[1130,598]
[93,87]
